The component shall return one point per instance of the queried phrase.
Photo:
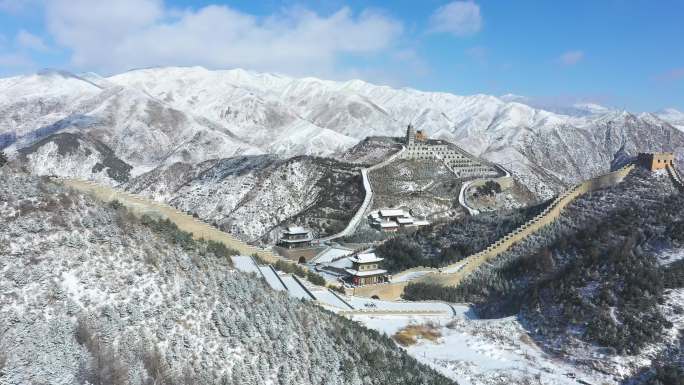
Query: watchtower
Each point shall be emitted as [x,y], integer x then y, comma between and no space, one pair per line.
[656,160]
[410,135]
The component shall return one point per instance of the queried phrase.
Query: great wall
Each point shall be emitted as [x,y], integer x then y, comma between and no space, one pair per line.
[453,274]
[676,176]
[141,206]
[450,275]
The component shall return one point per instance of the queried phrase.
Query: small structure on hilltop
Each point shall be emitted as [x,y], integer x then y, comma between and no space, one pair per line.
[393,219]
[295,237]
[461,163]
[365,269]
[655,160]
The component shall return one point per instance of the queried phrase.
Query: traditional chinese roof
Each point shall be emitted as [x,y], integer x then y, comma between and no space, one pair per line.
[392,213]
[388,224]
[366,273]
[365,258]
[296,230]
[404,221]
[296,240]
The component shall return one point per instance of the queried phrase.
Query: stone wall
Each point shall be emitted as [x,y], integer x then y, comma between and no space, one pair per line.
[549,215]
[676,176]
[141,206]
[656,160]
[453,274]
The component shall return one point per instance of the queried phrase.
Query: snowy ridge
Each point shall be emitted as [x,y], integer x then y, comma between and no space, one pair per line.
[157,116]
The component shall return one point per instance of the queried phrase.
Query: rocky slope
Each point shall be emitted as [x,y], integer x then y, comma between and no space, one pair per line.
[249,196]
[159,116]
[548,150]
[672,116]
[89,294]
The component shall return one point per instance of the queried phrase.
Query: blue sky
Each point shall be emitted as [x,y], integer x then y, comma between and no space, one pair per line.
[626,54]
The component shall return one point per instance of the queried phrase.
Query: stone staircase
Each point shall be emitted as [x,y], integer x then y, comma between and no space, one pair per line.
[676,176]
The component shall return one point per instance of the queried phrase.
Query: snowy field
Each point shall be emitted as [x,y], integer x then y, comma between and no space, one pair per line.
[475,351]
[245,264]
[483,352]
[361,303]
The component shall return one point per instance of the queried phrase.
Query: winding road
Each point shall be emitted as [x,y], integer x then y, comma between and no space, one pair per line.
[367,199]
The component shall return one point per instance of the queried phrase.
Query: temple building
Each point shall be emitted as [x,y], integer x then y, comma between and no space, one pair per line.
[295,237]
[656,160]
[393,219]
[365,269]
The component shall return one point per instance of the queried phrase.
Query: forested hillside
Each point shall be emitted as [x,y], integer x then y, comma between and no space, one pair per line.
[444,243]
[594,277]
[90,294]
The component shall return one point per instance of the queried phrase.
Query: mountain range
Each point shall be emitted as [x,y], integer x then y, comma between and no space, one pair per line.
[130,123]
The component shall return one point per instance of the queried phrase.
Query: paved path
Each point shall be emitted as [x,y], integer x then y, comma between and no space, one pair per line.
[462,200]
[367,199]
[464,188]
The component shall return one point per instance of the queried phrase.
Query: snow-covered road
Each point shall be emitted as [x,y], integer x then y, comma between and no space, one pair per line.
[368,198]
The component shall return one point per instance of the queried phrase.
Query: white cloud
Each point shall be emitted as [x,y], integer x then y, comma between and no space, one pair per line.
[30,41]
[570,58]
[117,35]
[14,6]
[460,18]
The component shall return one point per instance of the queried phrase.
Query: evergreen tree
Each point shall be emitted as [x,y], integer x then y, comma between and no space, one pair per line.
[3,159]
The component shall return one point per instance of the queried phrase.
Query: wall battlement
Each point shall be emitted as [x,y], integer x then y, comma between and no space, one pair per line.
[453,275]
[656,160]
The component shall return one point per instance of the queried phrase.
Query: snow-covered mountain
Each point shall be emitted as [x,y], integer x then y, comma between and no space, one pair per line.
[250,195]
[157,116]
[91,295]
[673,116]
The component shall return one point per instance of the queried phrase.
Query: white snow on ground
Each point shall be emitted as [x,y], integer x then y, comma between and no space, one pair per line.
[330,254]
[245,264]
[330,299]
[482,352]
[294,289]
[670,256]
[272,278]
[374,304]
[409,276]
[331,278]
